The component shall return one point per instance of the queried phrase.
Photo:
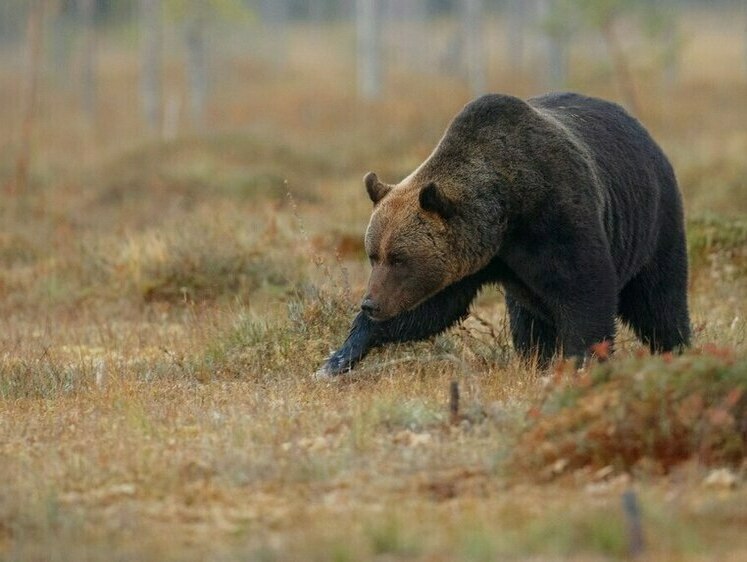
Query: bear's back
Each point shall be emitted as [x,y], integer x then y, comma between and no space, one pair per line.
[637,182]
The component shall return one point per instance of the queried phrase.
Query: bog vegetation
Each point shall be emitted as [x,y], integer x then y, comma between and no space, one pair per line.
[165,301]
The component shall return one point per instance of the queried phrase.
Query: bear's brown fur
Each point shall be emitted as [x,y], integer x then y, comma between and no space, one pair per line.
[565,200]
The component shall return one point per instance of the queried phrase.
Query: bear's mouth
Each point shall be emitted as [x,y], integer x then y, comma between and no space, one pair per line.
[379,314]
[378,317]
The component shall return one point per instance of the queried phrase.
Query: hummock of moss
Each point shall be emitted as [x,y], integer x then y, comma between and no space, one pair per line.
[640,411]
[240,166]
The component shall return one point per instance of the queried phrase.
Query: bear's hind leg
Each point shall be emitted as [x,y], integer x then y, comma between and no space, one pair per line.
[654,305]
[532,336]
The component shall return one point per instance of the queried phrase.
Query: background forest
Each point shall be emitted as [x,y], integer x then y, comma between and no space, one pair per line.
[181,224]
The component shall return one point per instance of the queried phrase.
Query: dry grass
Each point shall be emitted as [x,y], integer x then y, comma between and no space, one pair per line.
[163,306]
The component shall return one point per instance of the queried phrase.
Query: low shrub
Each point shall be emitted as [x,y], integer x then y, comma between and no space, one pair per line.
[294,345]
[657,411]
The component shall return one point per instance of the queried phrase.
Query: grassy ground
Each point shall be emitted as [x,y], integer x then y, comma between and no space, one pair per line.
[163,306]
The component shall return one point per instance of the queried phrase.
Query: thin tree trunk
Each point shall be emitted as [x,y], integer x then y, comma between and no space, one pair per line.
[316,11]
[369,55]
[474,42]
[317,16]
[622,68]
[671,44]
[744,7]
[34,38]
[516,19]
[671,55]
[151,62]
[555,42]
[411,41]
[557,56]
[87,10]
[274,17]
[197,66]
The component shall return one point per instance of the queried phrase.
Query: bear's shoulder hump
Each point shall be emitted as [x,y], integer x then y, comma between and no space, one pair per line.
[491,108]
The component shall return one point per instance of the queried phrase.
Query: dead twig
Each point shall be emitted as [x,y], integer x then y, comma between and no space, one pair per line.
[633,518]
[454,402]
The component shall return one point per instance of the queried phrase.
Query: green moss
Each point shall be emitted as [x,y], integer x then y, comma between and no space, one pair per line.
[710,234]
[599,531]
[387,537]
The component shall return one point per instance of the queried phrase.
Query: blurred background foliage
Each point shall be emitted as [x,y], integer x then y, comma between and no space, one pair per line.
[124,116]
[109,72]
[181,204]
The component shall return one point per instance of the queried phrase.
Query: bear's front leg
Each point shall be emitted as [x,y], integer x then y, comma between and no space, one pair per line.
[355,347]
[577,283]
[429,318]
[585,314]
[582,330]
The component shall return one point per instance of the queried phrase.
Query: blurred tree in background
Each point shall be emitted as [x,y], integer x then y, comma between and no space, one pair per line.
[368,31]
[32,64]
[175,58]
[151,88]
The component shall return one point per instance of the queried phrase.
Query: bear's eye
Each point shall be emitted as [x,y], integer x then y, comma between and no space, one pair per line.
[374,259]
[396,260]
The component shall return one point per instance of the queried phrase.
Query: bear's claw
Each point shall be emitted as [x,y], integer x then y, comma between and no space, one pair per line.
[337,363]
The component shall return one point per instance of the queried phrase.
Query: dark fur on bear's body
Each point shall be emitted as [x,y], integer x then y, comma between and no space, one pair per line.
[566,201]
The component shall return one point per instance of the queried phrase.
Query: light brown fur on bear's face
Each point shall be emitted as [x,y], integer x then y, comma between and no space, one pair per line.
[443,222]
[410,251]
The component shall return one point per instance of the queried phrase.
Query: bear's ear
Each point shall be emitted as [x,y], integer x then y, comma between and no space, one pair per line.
[433,200]
[376,190]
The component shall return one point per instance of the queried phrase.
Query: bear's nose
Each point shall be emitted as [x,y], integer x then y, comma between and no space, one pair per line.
[369,307]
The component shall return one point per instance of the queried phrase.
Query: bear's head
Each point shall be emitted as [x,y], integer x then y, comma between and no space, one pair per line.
[417,243]
[407,242]
[493,169]
[448,219]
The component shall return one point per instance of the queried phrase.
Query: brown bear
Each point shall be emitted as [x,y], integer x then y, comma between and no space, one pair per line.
[564,199]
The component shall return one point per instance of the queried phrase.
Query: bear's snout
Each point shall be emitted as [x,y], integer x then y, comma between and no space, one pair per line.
[370,307]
